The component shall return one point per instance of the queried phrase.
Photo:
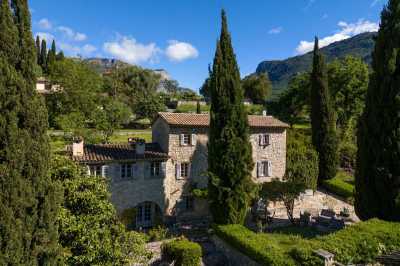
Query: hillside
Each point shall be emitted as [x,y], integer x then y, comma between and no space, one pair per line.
[280,71]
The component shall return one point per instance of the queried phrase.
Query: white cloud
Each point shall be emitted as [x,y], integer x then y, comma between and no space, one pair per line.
[75,50]
[276,30]
[45,24]
[71,34]
[88,48]
[45,36]
[129,50]
[346,31]
[180,51]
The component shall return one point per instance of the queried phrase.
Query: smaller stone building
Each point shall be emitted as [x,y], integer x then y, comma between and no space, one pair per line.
[157,178]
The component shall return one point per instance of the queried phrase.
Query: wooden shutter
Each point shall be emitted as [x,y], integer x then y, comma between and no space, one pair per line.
[105,171]
[260,140]
[189,165]
[268,139]
[193,139]
[181,139]
[258,169]
[163,169]
[178,171]
[269,170]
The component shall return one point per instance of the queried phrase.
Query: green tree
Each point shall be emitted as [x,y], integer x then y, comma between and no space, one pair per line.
[205,88]
[292,105]
[43,55]
[378,168]
[323,119]
[229,150]
[51,55]
[301,161]
[79,88]
[37,46]
[287,192]
[90,232]
[28,199]
[257,87]
[111,116]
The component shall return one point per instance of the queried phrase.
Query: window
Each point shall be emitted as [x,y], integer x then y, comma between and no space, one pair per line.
[189,203]
[264,169]
[264,139]
[126,170]
[155,168]
[186,139]
[95,170]
[185,170]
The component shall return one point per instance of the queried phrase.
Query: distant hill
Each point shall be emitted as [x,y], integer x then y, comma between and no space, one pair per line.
[103,65]
[281,71]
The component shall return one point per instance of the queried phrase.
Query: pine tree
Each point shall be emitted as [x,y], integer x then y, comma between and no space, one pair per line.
[378,159]
[43,55]
[37,46]
[323,118]
[229,151]
[28,198]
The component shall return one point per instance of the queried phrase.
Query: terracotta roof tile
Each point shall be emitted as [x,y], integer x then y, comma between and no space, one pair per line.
[203,120]
[97,153]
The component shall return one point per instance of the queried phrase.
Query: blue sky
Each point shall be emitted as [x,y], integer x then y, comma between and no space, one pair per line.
[180,35]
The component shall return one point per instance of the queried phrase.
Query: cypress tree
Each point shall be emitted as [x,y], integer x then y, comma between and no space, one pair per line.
[229,151]
[198,107]
[378,159]
[323,118]
[37,46]
[43,54]
[28,198]
[51,56]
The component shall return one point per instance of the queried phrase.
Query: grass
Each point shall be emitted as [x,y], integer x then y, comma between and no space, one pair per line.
[58,142]
[342,185]
[359,243]
[191,108]
[304,232]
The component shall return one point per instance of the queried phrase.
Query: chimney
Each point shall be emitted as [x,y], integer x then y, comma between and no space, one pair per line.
[77,147]
[140,145]
[264,112]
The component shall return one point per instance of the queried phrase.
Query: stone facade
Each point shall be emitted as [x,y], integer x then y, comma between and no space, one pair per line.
[182,163]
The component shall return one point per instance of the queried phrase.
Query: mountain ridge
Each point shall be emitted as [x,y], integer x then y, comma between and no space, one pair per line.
[281,71]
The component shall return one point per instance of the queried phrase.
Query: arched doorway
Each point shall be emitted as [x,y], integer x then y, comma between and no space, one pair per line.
[148,214]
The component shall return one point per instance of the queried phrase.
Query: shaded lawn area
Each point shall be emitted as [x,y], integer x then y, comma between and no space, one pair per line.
[304,232]
[342,185]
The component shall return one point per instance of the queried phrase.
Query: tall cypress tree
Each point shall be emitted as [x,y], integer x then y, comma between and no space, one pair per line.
[28,199]
[378,160]
[229,150]
[37,46]
[43,54]
[51,55]
[323,118]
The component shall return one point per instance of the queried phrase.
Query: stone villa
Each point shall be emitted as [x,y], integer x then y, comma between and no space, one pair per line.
[157,178]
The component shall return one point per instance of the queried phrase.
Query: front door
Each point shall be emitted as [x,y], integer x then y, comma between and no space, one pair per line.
[144,215]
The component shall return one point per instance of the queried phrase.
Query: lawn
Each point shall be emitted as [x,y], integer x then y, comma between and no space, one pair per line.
[342,185]
[359,243]
[58,142]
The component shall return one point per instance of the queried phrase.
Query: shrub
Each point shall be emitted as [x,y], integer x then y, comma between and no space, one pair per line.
[347,155]
[158,233]
[360,243]
[183,252]
[191,108]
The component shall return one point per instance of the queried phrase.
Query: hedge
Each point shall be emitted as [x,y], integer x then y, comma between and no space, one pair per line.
[183,252]
[360,243]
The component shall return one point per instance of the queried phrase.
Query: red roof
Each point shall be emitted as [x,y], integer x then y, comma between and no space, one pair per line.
[203,120]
